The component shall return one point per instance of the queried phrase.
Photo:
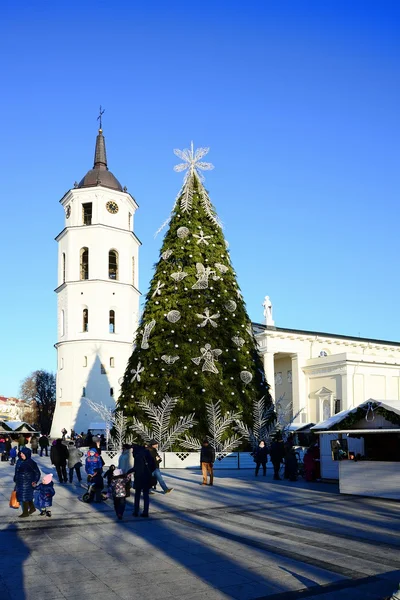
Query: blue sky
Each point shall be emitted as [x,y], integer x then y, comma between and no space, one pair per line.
[298,101]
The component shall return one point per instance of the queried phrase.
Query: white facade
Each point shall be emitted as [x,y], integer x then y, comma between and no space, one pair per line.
[322,374]
[97,297]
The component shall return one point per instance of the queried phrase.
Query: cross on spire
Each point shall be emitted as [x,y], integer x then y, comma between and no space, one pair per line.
[99,118]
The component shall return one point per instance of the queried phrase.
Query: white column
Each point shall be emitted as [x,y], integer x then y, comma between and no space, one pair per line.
[269,369]
[347,390]
[299,386]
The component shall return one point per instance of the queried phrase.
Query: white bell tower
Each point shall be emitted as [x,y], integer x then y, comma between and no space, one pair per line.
[97,294]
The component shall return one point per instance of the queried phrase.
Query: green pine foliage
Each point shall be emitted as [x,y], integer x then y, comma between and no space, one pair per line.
[187,338]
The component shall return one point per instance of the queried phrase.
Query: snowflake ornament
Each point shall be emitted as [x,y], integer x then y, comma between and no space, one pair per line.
[157,291]
[201,238]
[207,318]
[192,162]
[136,372]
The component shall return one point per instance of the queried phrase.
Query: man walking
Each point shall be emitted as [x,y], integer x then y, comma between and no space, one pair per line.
[277,452]
[207,459]
[44,444]
[59,457]
[153,446]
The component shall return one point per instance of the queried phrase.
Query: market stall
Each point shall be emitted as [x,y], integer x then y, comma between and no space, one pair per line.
[361,448]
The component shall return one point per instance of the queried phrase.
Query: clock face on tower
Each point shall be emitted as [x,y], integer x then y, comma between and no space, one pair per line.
[112,207]
[68,212]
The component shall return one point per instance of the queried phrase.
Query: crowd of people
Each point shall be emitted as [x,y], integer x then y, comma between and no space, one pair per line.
[138,467]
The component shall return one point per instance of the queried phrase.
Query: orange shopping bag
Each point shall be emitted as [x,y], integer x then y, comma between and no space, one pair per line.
[13,500]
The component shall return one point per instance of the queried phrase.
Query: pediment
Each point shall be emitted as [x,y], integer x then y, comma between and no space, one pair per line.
[323,392]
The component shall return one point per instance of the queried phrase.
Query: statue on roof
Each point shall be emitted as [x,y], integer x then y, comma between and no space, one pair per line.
[267,304]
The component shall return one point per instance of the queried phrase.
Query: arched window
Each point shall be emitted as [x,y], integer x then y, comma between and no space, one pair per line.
[84,263]
[113,264]
[112,321]
[133,270]
[63,267]
[85,319]
[111,392]
[112,362]
[62,323]
[84,392]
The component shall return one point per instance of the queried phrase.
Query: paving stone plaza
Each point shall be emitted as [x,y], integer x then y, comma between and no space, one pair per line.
[244,538]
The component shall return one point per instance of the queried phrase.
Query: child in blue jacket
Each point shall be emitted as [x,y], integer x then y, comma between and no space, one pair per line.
[13,455]
[44,495]
[93,463]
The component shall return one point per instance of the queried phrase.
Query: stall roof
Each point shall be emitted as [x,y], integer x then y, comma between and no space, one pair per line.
[359,431]
[299,427]
[16,426]
[332,422]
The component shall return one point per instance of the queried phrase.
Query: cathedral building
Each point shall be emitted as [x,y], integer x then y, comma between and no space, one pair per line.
[97,294]
[321,373]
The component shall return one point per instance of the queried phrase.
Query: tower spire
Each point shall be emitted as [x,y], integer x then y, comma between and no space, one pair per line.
[100,156]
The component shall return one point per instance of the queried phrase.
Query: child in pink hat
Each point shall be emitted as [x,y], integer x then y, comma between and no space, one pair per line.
[44,495]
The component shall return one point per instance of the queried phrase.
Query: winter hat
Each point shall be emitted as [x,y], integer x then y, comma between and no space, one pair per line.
[153,442]
[118,471]
[47,478]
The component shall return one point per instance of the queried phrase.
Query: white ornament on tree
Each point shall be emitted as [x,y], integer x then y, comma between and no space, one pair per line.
[157,291]
[182,232]
[207,318]
[165,255]
[169,360]
[173,316]
[246,376]
[221,268]
[231,305]
[136,372]
[201,238]
[146,334]
[238,341]
[203,274]
[208,356]
[179,276]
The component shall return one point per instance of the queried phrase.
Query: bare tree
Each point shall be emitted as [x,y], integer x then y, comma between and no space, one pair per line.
[116,424]
[40,388]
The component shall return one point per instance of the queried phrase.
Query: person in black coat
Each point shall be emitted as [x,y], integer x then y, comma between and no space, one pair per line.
[26,476]
[277,452]
[44,444]
[261,457]
[59,457]
[143,468]
[207,460]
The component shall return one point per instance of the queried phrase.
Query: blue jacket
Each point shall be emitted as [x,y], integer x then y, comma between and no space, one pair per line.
[13,452]
[44,493]
[26,473]
[93,462]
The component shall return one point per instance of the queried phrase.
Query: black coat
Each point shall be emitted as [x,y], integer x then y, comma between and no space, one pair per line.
[207,454]
[43,441]
[26,473]
[144,467]
[261,454]
[59,454]
[277,452]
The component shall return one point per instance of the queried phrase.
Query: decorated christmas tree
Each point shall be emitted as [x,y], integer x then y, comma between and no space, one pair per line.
[195,341]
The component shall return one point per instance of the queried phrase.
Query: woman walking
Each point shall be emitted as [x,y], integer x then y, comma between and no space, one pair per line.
[26,476]
[261,457]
